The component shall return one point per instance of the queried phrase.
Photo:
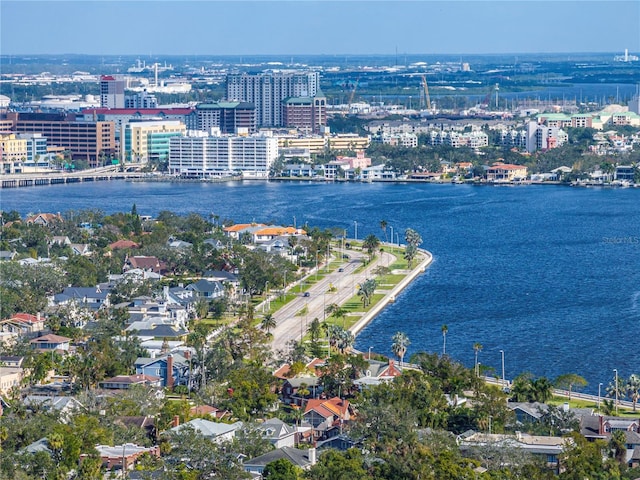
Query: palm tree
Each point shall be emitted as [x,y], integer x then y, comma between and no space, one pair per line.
[337,311]
[477,347]
[268,323]
[633,389]
[542,389]
[371,245]
[400,344]
[383,226]
[444,330]
[367,288]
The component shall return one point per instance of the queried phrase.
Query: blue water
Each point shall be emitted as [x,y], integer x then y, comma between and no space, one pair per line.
[549,274]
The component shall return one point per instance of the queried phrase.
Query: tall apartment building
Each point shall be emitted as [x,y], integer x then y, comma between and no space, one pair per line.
[541,137]
[268,90]
[202,155]
[111,92]
[229,117]
[146,141]
[85,140]
[307,114]
[140,100]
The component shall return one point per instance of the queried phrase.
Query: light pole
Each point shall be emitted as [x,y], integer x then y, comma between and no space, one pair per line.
[503,382]
[370,352]
[356,230]
[397,239]
[599,386]
[615,370]
[391,234]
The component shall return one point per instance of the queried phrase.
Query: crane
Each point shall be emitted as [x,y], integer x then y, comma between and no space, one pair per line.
[425,87]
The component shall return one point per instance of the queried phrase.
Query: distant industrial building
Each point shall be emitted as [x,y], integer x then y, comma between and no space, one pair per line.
[202,155]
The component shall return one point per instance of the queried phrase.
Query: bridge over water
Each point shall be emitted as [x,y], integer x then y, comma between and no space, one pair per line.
[17,180]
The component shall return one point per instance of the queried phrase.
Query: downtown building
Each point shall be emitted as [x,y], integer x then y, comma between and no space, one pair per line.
[230,118]
[268,92]
[149,141]
[91,141]
[202,155]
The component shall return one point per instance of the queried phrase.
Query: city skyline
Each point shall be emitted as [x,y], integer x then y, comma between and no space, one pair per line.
[317,27]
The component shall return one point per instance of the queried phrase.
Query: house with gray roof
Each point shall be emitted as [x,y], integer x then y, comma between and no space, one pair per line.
[215,431]
[304,459]
[278,433]
[207,289]
[90,297]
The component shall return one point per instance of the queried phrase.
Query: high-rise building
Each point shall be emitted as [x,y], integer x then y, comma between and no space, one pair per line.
[141,100]
[111,92]
[307,114]
[146,141]
[201,155]
[268,90]
[229,117]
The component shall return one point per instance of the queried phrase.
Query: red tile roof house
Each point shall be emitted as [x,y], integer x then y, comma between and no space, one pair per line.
[23,323]
[123,244]
[126,454]
[327,416]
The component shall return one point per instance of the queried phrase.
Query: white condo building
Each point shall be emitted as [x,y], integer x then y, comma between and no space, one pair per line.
[201,155]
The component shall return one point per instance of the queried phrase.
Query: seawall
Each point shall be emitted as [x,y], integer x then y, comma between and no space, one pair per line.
[393,293]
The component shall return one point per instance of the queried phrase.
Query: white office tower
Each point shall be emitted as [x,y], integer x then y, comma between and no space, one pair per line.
[267,91]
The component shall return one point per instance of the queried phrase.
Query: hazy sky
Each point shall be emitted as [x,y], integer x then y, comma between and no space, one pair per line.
[317,27]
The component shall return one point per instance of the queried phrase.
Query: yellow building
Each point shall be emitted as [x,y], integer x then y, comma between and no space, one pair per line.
[149,141]
[13,150]
[317,144]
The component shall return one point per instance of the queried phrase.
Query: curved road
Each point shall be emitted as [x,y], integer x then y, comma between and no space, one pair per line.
[291,327]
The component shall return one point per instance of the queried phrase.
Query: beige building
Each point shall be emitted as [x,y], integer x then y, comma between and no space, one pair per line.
[503,172]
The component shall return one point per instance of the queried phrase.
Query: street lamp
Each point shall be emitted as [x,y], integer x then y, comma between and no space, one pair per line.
[599,386]
[615,370]
[503,380]
[391,233]
[397,239]
[356,230]
[370,352]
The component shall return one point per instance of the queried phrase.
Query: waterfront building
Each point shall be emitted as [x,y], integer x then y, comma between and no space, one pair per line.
[359,161]
[111,92]
[229,117]
[474,139]
[201,155]
[146,141]
[503,172]
[513,138]
[268,90]
[541,137]
[84,140]
[625,173]
[13,151]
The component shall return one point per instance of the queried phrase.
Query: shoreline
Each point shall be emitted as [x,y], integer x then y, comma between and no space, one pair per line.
[390,297]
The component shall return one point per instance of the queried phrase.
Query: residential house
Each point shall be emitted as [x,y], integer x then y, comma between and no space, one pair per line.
[10,377]
[236,231]
[378,372]
[92,298]
[599,427]
[60,240]
[303,459]
[63,406]
[278,245]
[547,448]
[292,387]
[51,342]
[122,456]
[158,328]
[217,432]
[80,249]
[207,289]
[205,411]
[267,234]
[23,324]
[278,433]
[528,412]
[144,263]
[172,368]
[502,172]
[146,423]
[327,416]
[124,382]
[625,173]
[179,244]
[7,255]
[44,219]
[123,245]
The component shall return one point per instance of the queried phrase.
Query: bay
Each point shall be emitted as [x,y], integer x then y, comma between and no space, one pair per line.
[548,274]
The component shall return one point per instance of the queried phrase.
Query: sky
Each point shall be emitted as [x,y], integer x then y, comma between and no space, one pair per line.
[265,27]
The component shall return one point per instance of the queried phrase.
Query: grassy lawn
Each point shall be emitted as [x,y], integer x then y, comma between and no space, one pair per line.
[579,403]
